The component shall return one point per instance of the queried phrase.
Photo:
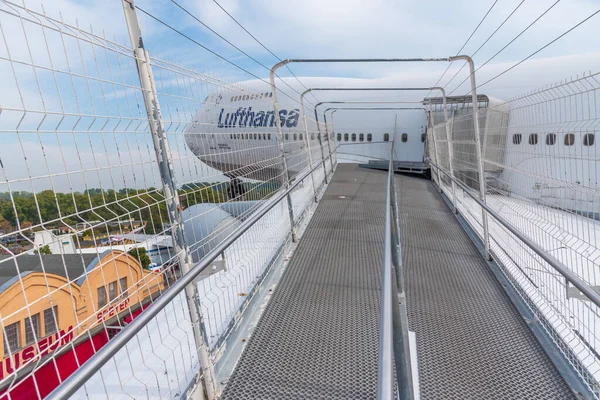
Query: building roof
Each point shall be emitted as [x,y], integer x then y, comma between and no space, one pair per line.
[69,266]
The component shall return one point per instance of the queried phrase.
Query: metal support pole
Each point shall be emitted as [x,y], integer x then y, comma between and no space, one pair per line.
[450,149]
[333,132]
[435,152]
[161,147]
[328,142]
[306,132]
[286,175]
[480,162]
[309,152]
[319,133]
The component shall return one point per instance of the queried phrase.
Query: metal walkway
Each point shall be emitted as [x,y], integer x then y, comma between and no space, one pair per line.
[319,335]
[471,341]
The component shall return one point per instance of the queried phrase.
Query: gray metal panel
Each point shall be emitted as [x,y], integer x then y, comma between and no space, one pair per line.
[319,335]
[472,342]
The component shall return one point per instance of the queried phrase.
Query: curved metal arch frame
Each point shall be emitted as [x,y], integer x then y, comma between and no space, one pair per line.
[385,382]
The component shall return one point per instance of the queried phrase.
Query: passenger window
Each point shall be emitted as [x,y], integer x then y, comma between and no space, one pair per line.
[404,137]
[255,136]
[569,139]
[354,137]
[345,137]
[423,137]
[269,136]
[517,138]
[386,137]
[301,137]
[339,137]
[264,136]
[295,136]
[369,137]
[551,139]
[287,136]
[533,138]
[588,139]
[361,137]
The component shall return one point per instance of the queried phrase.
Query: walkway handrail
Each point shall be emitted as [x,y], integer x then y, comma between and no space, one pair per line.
[70,385]
[561,268]
[393,336]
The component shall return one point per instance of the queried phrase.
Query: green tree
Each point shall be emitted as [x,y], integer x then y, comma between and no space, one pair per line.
[43,250]
[140,254]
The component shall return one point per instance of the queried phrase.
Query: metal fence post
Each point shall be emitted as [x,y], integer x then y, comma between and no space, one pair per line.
[435,153]
[321,142]
[480,163]
[286,171]
[450,149]
[306,131]
[333,132]
[308,149]
[161,148]
[328,141]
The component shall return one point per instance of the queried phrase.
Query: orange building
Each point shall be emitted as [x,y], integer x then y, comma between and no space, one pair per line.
[48,301]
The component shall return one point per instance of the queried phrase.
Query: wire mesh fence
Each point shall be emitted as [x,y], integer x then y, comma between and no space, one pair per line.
[121,172]
[541,167]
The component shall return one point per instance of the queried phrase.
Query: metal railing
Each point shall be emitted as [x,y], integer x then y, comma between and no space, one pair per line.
[394,354]
[87,370]
[121,172]
[533,161]
[558,266]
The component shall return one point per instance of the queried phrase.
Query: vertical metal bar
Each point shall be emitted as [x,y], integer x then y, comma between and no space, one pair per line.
[450,149]
[161,148]
[480,163]
[306,131]
[321,141]
[286,172]
[333,132]
[435,153]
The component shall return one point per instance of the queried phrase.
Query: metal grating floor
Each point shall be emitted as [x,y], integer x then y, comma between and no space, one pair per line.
[318,337]
[472,343]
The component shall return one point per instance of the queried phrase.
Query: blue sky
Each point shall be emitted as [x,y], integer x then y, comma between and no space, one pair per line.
[347,28]
[291,29]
